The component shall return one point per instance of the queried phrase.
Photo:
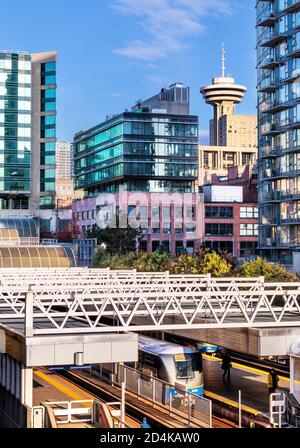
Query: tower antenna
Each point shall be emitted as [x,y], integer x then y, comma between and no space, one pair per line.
[223,61]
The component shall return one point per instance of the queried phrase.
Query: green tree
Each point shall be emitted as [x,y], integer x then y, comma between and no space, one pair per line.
[261,267]
[154,262]
[115,262]
[116,239]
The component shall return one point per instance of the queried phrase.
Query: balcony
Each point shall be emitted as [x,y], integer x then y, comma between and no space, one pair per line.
[267,85]
[270,242]
[275,106]
[269,129]
[294,54]
[292,6]
[266,17]
[272,38]
[274,196]
[268,63]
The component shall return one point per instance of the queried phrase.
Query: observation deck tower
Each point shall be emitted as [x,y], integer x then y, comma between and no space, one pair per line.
[223,94]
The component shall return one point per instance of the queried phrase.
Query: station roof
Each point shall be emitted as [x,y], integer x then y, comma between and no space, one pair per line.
[26,227]
[37,257]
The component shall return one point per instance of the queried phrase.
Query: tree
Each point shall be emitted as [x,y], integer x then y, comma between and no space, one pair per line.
[215,265]
[261,267]
[115,262]
[154,262]
[117,240]
[203,262]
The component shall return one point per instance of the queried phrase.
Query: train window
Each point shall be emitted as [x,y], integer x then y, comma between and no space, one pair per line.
[184,366]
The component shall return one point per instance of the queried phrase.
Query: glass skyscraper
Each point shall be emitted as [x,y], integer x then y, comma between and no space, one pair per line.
[278,53]
[27,130]
[146,150]
[15,129]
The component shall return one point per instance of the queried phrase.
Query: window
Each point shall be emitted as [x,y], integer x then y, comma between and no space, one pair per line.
[218,229]
[248,249]
[184,366]
[48,79]
[219,212]
[48,94]
[249,229]
[249,212]
[246,158]
[220,246]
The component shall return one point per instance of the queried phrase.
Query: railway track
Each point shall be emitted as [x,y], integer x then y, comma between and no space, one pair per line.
[157,416]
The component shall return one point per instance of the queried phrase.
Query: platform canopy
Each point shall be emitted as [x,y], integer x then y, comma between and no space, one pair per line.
[37,257]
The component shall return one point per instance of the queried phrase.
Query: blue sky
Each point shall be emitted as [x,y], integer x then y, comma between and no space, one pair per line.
[114,52]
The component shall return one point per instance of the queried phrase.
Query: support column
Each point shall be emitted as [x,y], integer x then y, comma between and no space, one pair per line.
[292,375]
[27,386]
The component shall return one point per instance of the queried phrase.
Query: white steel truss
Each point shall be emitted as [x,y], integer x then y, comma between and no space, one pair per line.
[103,301]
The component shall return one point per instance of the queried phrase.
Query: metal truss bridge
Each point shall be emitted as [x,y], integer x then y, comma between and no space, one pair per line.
[83,301]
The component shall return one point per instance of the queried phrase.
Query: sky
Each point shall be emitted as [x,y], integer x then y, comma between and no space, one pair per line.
[112,53]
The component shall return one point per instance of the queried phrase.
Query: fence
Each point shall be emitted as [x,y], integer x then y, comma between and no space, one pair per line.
[66,412]
[193,408]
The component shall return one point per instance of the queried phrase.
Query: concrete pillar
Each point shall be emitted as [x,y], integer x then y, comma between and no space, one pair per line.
[13,377]
[26,386]
[292,375]
[29,313]
[8,373]
[18,381]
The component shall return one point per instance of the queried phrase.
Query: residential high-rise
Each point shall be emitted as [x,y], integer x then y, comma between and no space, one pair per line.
[232,137]
[63,160]
[152,150]
[278,62]
[27,131]
[65,193]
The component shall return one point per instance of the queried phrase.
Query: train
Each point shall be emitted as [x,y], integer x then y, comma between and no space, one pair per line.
[177,365]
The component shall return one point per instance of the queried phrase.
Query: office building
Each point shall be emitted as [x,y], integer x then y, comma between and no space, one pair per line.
[232,137]
[152,151]
[278,62]
[27,134]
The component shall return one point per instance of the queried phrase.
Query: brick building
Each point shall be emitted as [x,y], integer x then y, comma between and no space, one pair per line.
[231,213]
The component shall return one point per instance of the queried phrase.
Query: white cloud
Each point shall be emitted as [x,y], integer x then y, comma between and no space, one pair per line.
[114,94]
[169,23]
[153,79]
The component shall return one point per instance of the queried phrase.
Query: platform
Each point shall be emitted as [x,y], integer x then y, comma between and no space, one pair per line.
[250,381]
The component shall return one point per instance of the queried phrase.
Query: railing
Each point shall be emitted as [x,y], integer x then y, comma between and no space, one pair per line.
[284,410]
[81,301]
[92,412]
[49,242]
[66,412]
[292,411]
[15,242]
[176,400]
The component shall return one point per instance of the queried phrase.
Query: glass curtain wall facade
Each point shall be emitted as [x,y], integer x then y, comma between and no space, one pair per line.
[44,70]
[278,51]
[15,130]
[149,152]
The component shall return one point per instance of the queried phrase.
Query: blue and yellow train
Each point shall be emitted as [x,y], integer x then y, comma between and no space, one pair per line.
[172,363]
